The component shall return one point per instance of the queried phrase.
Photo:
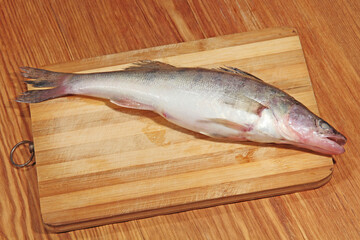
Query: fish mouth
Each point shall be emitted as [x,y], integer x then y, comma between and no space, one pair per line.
[332,145]
[338,139]
[329,145]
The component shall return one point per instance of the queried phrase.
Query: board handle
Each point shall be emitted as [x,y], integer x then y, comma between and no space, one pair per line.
[31,150]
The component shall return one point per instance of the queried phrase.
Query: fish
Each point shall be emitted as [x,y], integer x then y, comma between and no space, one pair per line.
[224,103]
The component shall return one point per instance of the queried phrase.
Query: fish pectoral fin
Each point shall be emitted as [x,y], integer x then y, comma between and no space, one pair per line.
[146,65]
[239,72]
[246,104]
[228,124]
[128,103]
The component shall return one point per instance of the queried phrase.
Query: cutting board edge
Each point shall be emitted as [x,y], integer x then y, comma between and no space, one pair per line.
[189,207]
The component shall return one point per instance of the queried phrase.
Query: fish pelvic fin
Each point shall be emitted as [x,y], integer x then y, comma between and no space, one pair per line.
[129,103]
[41,78]
[148,65]
[239,72]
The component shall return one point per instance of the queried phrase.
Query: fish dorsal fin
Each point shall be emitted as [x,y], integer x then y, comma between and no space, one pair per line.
[147,65]
[238,71]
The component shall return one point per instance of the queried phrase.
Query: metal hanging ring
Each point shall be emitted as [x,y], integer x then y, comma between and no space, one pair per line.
[31,150]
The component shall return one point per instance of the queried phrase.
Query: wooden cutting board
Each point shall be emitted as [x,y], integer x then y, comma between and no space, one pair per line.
[98,163]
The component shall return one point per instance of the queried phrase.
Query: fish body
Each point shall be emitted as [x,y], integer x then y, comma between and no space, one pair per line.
[225,103]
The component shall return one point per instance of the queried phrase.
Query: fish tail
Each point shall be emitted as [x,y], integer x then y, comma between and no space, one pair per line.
[35,96]
[42,78]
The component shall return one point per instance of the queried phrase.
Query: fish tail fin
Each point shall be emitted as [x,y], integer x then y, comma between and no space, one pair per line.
[42,78]
[35,96]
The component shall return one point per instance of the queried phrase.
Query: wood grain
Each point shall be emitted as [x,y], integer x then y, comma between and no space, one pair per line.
[119,165]
[39,33]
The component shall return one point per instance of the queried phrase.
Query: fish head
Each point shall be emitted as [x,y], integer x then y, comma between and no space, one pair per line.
[309,131]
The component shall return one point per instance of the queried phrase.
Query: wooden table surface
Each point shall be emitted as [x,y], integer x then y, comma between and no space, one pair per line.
[39,33]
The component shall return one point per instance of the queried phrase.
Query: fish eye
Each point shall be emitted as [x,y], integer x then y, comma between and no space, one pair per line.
[323,124]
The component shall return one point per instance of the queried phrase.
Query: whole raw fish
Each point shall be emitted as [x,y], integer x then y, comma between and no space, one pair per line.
[224,103]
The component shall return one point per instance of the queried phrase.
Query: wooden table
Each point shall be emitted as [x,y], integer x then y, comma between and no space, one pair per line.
[38,33]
